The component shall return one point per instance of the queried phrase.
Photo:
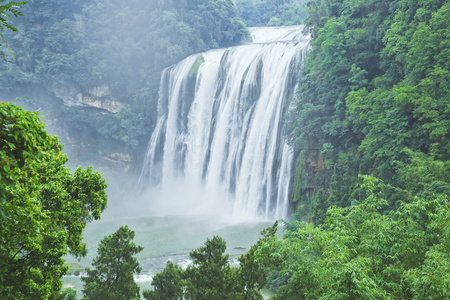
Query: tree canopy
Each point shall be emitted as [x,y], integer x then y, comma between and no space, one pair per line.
[361,253]
[168,284]
[210,276]
[44,208]
[114,267]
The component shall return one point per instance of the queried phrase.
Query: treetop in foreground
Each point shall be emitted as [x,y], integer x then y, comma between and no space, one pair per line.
[44,208]
[211,277]
[115,265]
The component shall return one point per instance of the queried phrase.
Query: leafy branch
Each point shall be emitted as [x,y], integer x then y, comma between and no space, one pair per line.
[6,12]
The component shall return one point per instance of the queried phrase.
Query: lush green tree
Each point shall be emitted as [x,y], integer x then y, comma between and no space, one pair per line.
[168,284]
[114,266]
[434,176]
[251,275]
[209,275]
[44,208]
[66,294]
[406,107]
[6,12]
[361,253]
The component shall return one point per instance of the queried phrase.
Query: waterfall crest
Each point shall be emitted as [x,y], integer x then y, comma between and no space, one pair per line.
[220,116]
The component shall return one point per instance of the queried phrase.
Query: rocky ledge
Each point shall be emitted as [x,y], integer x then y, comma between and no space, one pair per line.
[98,97]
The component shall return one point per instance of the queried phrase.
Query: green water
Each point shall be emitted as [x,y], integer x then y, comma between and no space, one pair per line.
[167,238]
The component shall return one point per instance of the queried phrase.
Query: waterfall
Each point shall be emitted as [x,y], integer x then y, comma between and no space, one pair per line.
[220,116]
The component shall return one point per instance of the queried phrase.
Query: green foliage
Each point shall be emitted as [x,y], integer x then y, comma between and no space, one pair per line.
[126,126]
[319,208]
[299,178]
[434,176]
[44,208]
[344,181]
[272,13]
[67,294]
[6,12]
[114,266]
[209,275]
[168,284]
[360,253]
[375,83]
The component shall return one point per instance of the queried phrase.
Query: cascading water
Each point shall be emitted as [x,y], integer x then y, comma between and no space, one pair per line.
[218,136]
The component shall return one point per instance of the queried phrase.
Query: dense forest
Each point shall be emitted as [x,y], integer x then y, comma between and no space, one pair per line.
[374,100]
[369,124]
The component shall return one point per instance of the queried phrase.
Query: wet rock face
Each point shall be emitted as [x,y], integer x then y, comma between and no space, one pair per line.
[98,97]
[310,177]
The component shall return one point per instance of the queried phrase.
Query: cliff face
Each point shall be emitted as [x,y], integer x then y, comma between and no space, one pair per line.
[98,97]
[313,164]
[72,114]
[309,178]
[84,144]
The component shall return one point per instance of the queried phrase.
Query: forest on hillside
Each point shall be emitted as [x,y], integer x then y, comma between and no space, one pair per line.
[375,99]
[370,216]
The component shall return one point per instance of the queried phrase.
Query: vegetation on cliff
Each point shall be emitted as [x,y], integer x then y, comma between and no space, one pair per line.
[375,98]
